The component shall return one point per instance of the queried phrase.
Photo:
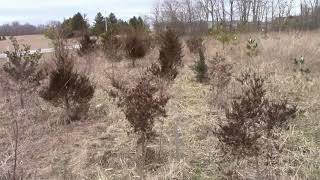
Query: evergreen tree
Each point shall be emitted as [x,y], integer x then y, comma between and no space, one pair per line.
[200,67]
[78,22]
[67,88]
[112,23]
[136,23]
[99,26]
[67,28]
[170,57]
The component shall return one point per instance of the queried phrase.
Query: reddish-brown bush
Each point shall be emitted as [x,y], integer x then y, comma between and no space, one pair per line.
[251,120]
[135,46]
[141,105]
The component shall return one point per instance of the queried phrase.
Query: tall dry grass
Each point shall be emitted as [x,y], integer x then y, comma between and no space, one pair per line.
[102,147]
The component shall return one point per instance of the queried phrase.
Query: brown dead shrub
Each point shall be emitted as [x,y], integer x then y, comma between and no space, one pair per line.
[250,121]
[220,74]
[136,46]
[141,104]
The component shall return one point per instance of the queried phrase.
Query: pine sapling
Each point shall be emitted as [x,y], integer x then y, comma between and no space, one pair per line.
[68,88]
[200,67]
[170,58]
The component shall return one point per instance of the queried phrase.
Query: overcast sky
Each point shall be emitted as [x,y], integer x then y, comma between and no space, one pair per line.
[42,11]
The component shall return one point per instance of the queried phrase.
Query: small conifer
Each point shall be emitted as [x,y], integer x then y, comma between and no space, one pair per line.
[200,67]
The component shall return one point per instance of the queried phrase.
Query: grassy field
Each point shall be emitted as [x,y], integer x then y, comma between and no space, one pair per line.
[36,42]
[102,147]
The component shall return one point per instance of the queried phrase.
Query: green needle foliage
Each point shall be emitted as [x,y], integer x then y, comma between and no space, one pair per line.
[170,58]
[200,67]
[67,88]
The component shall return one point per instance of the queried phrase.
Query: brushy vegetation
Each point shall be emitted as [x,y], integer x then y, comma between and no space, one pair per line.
[157,122]
[86,44]
[252,48]
[250,122]
[141,105]
[135,46]
[22,66]
[220,75]
[194,44]
[300,65]
[225,37]
[170,58]
[68,88]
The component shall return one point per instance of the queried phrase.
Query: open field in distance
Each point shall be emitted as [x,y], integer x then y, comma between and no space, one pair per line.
[36,42]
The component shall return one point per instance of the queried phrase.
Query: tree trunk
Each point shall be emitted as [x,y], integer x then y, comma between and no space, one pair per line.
[21,96]
[141,160]
[231,15]
[16,136]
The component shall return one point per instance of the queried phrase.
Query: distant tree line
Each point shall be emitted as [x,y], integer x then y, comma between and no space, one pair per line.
[75,26]
[244,15]
[78,25]
[15,29]
[115,24]
[196,16]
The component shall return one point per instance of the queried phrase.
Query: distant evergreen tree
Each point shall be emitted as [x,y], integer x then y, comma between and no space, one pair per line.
[112,23]
[136,23]
[78,22]
[112,19]
[67,28]
[170,58]
[99,25]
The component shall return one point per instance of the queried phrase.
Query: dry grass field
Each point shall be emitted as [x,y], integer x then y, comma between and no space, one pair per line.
[103,147]
[36,42]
